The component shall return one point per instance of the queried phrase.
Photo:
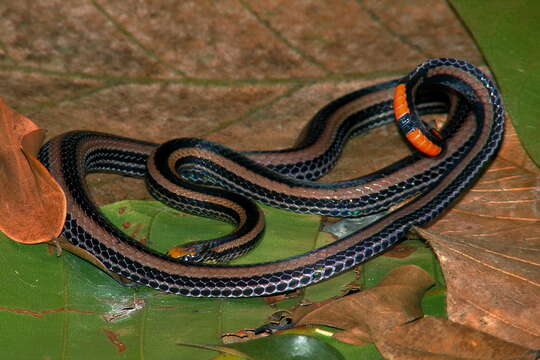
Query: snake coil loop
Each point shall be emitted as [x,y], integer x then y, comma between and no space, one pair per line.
[219,182]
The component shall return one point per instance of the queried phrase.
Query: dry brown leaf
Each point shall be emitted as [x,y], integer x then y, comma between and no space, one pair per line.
[32,204]
[489,248]
[440,339]
[491,285]
[395,300]
[355,336]
[304,308]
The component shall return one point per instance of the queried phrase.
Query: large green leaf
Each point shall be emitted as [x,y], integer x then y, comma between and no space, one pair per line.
[69,309]
[507,32]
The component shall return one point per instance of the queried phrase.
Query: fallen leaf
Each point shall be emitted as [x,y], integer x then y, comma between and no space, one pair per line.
[432,338]
[492,286]
[489,248]
[389,315]
[32,204]
[354,336]
[396,300]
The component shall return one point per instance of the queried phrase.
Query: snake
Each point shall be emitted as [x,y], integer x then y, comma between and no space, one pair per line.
[209,179]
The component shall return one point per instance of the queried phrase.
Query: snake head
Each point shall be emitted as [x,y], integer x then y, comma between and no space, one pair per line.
[192,252]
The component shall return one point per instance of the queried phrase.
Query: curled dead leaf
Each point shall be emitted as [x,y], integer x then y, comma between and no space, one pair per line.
[32,204]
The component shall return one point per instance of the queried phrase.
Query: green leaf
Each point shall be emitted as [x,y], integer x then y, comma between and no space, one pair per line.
[288,346]
[507,32]
[325,334]
[68,308]
[322,334]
